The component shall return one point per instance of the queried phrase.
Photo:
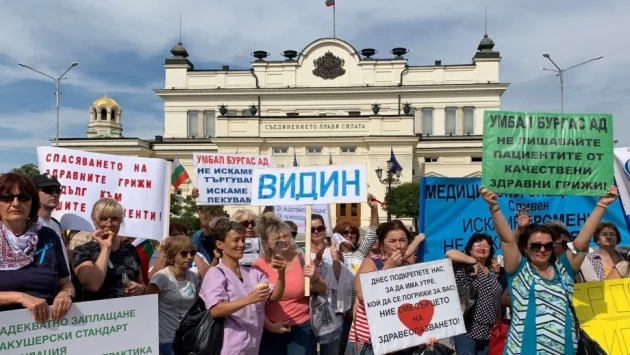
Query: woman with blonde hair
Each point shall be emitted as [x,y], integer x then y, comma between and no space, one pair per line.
[247,218]
[102,264]
[288,323]
[177,287]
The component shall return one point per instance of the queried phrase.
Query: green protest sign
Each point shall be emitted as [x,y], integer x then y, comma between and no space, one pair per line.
[547,153]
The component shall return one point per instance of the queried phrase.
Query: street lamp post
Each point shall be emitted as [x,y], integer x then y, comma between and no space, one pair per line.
[56,80]
[561,74]
[393,176]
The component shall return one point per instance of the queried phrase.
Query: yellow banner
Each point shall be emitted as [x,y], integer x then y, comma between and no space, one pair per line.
[603,309]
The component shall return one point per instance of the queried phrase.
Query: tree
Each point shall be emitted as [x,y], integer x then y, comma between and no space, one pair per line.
[184,211]
[403,200]
[28,170]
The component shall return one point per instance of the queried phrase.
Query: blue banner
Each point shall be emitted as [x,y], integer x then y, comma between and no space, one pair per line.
[451,210]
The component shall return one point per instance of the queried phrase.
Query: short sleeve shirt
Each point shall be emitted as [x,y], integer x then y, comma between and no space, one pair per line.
[41,278]
[125,260]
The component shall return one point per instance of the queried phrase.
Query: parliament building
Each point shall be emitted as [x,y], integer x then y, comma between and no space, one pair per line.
[328,103]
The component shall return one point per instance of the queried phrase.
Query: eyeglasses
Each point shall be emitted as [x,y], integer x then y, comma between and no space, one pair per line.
[535,247]
[348,231]
[8,198]
[49,190]
[184,253]
[320,229]
[481,246]
[248,223]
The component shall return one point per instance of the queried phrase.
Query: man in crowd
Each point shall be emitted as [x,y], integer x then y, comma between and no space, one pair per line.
[49,191]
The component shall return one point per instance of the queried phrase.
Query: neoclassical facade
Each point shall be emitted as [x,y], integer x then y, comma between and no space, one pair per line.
[326,103]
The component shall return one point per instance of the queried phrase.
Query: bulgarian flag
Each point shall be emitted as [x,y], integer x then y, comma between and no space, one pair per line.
[178,174]
[145,252]
[330,3]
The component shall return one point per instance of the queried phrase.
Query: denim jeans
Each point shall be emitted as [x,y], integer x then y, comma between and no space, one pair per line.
[465,345]
[345,332]
[299,341]
[166,348]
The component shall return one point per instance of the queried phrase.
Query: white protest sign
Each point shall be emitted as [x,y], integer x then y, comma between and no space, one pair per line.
[309,185]
[226,179]
[118,326]
[407,305]
[296,214]
[141,185]
[251,252]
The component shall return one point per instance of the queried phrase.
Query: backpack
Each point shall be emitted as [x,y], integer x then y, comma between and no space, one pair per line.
[198,333]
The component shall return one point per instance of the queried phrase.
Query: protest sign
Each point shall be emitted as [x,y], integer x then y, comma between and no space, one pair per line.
[309,185]
[451,210]
[118,326]
[603,309]
[622,178]
[296,214]
[547,153]
[251,252]
[407,305]
[226,179]
[141,185]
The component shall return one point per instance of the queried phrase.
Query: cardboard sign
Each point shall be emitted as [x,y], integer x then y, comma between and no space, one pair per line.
[311,185]
[118,326]
[226,179]
[407,305]
[141,185]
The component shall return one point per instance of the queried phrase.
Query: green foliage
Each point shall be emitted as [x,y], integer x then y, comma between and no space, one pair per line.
[28,170]
[403,200]
[184,211]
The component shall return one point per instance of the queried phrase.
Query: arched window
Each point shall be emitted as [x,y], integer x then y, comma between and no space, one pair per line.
[103,114]
[113,115]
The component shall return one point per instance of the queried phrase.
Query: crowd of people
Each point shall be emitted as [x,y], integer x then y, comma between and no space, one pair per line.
[46,269]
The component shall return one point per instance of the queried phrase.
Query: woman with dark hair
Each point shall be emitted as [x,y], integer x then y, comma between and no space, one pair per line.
[473,268]
[394,239]
[237,293]
[33,270]
[541,285]
[600,263]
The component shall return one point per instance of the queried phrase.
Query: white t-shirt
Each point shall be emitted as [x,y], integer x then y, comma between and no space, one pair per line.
[176,299]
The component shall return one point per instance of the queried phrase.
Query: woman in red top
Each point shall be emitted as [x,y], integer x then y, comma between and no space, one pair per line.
[288,325]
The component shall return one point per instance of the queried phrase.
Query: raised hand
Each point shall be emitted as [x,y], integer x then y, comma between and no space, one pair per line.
[611,195]
[523,219]
[371,201]
[491,198]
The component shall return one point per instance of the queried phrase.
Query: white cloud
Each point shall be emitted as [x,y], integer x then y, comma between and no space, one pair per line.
[52,34]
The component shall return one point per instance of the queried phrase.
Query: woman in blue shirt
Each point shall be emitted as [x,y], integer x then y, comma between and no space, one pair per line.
[541,285]
[33,270]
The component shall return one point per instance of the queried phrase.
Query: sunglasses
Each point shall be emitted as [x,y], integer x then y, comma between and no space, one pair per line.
[49,190]
[319,229]
[248,223]
[8,198]
[348,231]
[184,253]
[535,247]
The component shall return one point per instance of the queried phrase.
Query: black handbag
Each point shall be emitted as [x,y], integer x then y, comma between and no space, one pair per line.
[198,333]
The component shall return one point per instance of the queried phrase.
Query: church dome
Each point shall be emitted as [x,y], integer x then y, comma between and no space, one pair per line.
[105,101]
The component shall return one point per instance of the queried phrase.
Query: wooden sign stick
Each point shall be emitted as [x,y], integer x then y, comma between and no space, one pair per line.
[307,247]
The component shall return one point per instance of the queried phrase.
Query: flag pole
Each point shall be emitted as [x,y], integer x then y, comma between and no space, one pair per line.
[335,19]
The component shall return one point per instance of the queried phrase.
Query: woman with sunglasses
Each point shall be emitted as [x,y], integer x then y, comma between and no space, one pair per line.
[103,264]
[247,218]
[239,294]
[541,285]
[177,287]
[33,271]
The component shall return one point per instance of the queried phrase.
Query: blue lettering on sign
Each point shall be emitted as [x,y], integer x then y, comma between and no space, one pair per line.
[345,183]
[451,210]
[312,185]
[326,183]
[267,182]
[289,184]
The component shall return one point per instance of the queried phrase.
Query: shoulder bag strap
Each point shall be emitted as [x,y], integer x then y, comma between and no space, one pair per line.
[578,328]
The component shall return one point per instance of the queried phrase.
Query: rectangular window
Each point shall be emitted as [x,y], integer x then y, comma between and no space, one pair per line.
[476,159]
[450,120]
[317,150]
[193,124]
[469,120]
[348,150]
[430,160]
[427,121]
[280,150]
[209,123]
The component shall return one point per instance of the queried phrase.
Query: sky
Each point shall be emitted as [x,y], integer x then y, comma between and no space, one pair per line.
[121,46]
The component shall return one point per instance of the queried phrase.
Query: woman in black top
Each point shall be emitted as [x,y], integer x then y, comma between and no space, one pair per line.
[475,267]
[33,270]
[101,264]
